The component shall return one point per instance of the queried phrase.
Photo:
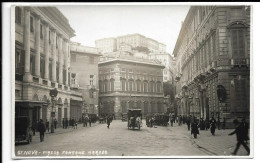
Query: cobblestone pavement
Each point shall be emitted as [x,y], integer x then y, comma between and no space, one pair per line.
[99,141]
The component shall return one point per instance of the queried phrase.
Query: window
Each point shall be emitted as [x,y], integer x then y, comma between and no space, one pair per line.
[42,66]
[31,24]
[64,75]
[138,86]
[57,71]
[73,78]
[237,43]
[91,79]
[18,14]
[50,70]
[32,63]
[91,59]
[49,37]
[112,82]
[236,12]
[158,87]
[130,85]
[123,82]
[41,32]
[19,62]
[145,87]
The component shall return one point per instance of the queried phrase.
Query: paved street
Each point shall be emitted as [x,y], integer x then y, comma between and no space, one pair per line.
[98,140]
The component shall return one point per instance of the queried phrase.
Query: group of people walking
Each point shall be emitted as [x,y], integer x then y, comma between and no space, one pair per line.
[69,123]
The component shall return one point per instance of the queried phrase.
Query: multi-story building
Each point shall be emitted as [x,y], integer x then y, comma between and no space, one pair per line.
[213,69]
[129,82]
[106,45]
[42,36]
[134,40]
[84,78]
[167,60]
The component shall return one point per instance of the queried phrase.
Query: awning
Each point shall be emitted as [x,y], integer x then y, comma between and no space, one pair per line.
[29,104]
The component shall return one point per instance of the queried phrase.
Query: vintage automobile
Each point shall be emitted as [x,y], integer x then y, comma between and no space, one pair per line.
[23,132]
[134,118]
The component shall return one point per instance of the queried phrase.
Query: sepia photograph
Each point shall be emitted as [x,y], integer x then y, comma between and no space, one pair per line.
[131,80]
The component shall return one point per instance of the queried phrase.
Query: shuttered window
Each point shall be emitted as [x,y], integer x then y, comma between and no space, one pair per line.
[238,43]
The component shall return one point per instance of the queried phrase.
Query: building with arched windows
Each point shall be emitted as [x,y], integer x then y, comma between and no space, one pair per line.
[126,82]
[42,62]
[212,58]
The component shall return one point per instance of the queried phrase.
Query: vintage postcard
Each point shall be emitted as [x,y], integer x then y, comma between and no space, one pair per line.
[131,80]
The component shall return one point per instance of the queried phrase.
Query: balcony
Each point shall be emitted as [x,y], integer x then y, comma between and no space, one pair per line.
[74,85]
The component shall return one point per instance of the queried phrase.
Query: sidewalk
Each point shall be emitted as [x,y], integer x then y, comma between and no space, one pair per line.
[219,145]
[60,130]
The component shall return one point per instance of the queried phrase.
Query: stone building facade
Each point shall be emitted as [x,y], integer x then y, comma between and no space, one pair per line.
[213,68]
[106,45]
[127,82]
[41,56]
[84,78]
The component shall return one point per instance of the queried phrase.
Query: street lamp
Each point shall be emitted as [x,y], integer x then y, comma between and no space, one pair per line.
[53,94]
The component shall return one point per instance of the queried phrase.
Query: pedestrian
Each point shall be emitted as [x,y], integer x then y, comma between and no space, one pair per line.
[55,123]
[218,123]
[89,120]
[188,123]
[47,125]
[241,137]
[76,124]
[202,124]
[224,124]
[86,121]
[245,126]
[63,123]
[73,123]
[34,126]
[212,125]
[194,128]
[41,129]
[108,121]
[207,124]
[171,119]
[66,123]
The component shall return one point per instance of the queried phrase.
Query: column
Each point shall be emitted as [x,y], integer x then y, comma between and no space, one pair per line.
[66,60]
[54,57]
[37,46]
[60,54]
[46,51]
[27,74]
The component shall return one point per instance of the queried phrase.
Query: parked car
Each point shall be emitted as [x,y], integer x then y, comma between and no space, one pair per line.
[23,132]
[134,118]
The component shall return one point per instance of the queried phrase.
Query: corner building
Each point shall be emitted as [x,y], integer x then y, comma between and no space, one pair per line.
[127,82]
[42,36]
[213,68]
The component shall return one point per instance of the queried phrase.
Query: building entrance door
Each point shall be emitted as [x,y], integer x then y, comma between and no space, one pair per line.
[59,116]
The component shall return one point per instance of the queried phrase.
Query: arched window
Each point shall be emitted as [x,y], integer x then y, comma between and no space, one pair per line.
[237,32]
[138,86]
[123,84]
[159,87]
[145,86]
[131,85]
[112,83]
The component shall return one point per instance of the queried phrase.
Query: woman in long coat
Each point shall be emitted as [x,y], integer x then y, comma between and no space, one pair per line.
[194,128]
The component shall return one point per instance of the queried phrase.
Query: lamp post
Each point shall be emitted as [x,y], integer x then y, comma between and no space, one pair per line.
[53,94]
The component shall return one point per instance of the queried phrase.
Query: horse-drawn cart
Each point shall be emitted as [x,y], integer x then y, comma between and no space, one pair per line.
[134,118]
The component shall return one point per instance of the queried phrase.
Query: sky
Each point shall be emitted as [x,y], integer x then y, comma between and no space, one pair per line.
[93,22]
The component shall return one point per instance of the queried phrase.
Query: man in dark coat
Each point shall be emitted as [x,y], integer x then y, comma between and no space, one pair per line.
[108,121]
[213,125]
[55,123]
[66,123]
[63,123]
[188,123]
[194,128]
[47,125]
[89,120]
[241,137]
[42,129]
[245,126]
